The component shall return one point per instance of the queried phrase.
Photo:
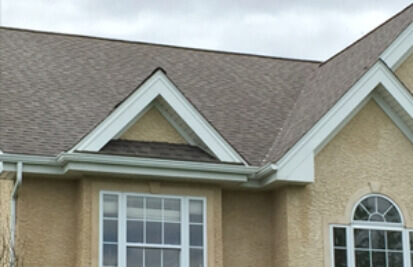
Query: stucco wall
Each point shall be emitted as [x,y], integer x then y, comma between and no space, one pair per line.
[369,154]
[46,222]
[405,72]
[247,228]
[153,127]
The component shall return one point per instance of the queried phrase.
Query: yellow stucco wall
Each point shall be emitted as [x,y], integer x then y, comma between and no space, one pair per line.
[247,228]
[46,222]
[369,154]
[153,127]
[405,72]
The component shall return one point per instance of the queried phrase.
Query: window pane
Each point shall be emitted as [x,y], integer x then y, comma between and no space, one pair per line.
[362,259]
[377,218]
[135,207]
[340,258]
[110,206]
[134,257]
[172,209]
[171,258]
[395,259]
[153,208]
[377,239]
[379,259]
[340,237]
[172,233]
[383,205]
[411,240]
[361,214]
[152,257]
[154,232]
[110,255]
[196,257]
[195,211]
[110,231]
[393,216]
[195,235]
[361,238]
[394,240]
[370,204]
[134,231]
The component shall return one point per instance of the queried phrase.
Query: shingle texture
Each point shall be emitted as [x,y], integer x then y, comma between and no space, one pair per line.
[56,88]
[157,150]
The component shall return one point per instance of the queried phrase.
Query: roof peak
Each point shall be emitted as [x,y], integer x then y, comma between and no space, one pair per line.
[157,44]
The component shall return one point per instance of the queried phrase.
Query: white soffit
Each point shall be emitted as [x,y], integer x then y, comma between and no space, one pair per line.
[157,85]
[297,165]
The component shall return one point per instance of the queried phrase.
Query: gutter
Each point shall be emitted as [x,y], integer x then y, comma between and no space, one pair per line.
[17,185]
[246,176]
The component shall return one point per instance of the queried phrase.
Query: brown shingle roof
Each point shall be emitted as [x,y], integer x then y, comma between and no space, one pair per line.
[157,150]
[56,88]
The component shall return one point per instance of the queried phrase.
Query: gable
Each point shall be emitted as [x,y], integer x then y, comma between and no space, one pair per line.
[153,127]
[405,72]
[159,88]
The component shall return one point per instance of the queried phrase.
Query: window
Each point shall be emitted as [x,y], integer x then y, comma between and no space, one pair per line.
[152,231]
[375,238]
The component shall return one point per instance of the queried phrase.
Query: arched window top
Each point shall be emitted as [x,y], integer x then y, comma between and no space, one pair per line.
[377,208]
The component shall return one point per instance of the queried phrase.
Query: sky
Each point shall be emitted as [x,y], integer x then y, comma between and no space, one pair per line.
[303,29]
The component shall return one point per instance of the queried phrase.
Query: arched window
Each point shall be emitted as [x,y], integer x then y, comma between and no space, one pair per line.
[376,236]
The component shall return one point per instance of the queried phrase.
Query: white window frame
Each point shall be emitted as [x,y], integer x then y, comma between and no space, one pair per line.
[122,244]
[351,259]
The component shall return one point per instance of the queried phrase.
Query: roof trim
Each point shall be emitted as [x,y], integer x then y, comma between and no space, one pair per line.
[298,163]
[400,49]
[158,84]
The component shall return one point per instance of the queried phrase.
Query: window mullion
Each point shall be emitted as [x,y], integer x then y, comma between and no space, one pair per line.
[185,232]
[122,230]
[406,248]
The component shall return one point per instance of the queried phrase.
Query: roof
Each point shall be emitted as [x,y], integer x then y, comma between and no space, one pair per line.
[56,88]
[157,150]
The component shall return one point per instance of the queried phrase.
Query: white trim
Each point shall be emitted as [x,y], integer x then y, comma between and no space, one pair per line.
[400,49]
[158,85]
[122,243]
[299,156]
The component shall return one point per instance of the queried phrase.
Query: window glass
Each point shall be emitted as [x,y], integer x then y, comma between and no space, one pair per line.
[153,231]
[340,246]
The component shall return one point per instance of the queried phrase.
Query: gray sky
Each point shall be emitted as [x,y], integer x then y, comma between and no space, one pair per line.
[309,29]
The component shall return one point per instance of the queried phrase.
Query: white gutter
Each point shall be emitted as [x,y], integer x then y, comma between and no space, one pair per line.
[17,184]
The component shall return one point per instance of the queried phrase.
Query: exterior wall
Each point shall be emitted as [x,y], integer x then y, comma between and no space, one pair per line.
[153,127]
[6,188]
[46,222]
[280,232]
[368,155]
[247,228]
[405,72]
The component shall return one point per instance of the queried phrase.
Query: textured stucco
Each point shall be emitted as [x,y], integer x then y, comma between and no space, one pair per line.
[46,222]
[153,127]
[280,229]
[247,228]
[405,72]
[369,154]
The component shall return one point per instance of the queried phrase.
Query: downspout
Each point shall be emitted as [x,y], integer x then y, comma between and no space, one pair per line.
[17,184]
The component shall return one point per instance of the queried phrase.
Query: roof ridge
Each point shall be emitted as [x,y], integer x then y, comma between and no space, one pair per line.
[160,45]
[366,35]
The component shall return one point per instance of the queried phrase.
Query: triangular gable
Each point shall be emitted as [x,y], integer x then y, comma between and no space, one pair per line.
[298,164]
[158,85]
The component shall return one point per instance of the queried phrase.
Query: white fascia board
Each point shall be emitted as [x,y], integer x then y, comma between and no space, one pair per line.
[158,85]
[400,49]
[137,167]
[297,165]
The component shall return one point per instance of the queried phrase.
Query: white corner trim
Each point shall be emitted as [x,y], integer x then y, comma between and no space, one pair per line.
[296,165]
[400,49]
[158,85]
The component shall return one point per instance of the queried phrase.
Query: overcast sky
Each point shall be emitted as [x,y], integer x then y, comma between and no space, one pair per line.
[308,29]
